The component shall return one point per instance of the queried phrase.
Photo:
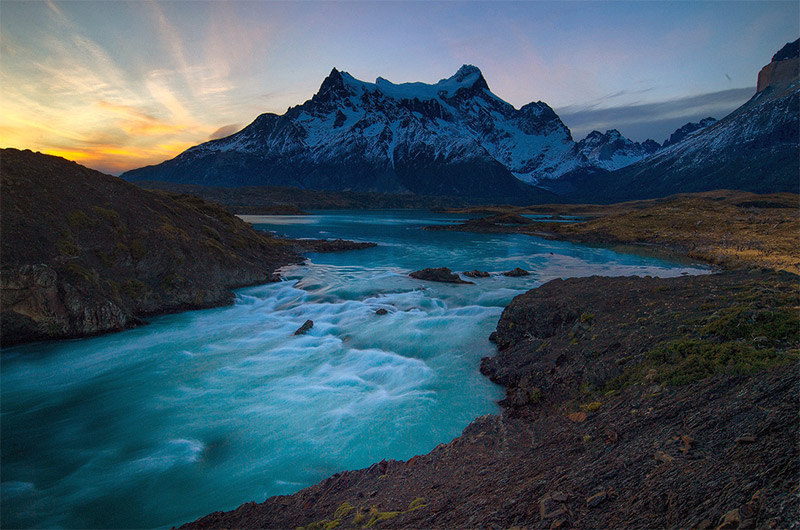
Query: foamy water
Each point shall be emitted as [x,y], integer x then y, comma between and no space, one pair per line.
[205,410]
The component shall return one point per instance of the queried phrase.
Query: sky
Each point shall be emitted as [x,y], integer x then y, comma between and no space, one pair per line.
[117,85]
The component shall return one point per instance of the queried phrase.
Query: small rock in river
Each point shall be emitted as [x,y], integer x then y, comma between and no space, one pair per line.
[302,330]
[440,274]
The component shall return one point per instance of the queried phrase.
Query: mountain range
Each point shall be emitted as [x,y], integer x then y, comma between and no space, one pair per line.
[457,138]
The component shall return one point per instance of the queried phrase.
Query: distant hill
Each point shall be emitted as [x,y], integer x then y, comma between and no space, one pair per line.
[83,252]
[284,200]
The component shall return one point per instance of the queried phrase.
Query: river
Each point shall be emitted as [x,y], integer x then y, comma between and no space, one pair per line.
[204,410]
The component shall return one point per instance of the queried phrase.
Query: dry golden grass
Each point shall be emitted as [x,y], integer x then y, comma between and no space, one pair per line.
[730,229]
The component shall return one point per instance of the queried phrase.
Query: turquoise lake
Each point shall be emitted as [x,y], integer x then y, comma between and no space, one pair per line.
[205,410]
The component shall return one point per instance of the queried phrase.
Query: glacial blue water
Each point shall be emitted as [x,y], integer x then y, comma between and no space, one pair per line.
[204,410]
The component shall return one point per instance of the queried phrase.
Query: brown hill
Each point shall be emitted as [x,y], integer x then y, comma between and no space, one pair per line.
[83,252]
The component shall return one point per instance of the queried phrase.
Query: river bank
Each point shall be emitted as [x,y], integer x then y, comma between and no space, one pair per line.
[630,403]
[85,253]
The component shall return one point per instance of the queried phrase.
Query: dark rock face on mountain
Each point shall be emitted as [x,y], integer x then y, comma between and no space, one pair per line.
[686,130]
[84,253]
[755,148]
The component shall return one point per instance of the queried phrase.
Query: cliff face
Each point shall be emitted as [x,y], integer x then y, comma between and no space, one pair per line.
[84,253]
[783,69]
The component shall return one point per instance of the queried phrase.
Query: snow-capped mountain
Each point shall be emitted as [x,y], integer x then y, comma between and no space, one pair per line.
[454,137]
[755,148]
[611,150]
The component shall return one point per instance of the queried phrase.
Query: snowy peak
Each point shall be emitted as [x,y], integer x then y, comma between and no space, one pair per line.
[452,137]
[469,76]
[611,150]
[468,79]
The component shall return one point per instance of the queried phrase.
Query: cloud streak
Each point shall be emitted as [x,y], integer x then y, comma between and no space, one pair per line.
[652,120]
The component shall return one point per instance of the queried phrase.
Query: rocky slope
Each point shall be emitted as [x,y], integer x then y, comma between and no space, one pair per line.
[629,405]
[452,138]
[755,148]
[687,129]
[83,252]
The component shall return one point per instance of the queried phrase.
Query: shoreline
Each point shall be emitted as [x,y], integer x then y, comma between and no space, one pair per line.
[393,494]
[226,295]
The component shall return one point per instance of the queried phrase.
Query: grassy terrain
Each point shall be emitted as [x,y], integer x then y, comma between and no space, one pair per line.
[726,228]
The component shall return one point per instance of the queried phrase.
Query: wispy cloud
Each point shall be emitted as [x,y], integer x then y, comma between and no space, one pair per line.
[66,94]
[225,130]
[651,120]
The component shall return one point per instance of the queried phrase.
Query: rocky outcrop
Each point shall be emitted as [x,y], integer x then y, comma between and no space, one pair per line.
[440,274]
[328,245]
[37,304]
[783,69]
[687,129]
[85,253]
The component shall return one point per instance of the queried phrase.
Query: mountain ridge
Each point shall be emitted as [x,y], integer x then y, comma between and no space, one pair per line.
[453,137]
[755,148]
[456,138]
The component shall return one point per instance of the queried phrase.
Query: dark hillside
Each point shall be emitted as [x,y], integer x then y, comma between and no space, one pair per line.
[83,252]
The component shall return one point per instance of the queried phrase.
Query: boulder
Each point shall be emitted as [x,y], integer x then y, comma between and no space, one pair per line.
[302,330]
[440,274]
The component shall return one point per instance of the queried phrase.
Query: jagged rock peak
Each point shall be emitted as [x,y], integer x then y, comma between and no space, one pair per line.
[341,83]
[333,83]
[789,51]
[467,70]
[470,75]
[687,129]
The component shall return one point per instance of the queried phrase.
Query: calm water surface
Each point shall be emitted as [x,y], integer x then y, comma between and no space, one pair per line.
[205,410]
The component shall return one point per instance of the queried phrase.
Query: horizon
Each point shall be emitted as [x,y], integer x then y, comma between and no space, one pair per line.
[116,86]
